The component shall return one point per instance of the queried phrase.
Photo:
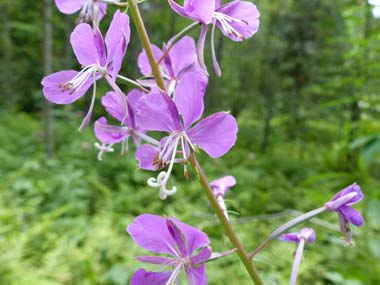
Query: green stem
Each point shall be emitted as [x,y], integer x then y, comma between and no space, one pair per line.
[242,253]
[240,250]
[143,35]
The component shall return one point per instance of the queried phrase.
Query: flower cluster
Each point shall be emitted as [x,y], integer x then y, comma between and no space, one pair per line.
[166,125]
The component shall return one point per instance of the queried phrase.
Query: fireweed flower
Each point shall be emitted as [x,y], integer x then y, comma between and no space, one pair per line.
[180,62]
[341,203]
[220,188]
[215,134]
[99,58]
[109,135]
[187,247]
[306,235]
[238,20]
[90,10]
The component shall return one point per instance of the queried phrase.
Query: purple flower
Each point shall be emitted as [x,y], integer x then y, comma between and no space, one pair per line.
[306,235]
[181,61]
[222,185]
[237,20]
[99,58]
[109,135]
[90,10]
[341,203]
[215,134]
[187,247]
[220,188]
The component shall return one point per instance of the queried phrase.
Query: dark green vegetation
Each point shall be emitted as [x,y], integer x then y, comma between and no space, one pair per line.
[306,93]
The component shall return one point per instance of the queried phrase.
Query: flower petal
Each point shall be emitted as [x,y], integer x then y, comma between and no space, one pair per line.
[102,10]
[189,96]
[198,10]
[117,39]
[113,105]
[201,47]
[195,239]
[53,91]
[183,55]
[215,134]
[308,234]
[197,275]
[83,42]
[243,11]
[69,6]
[109,134]
[157,112]
[290,237]
[142,277]
[351,215]
[202,256]
[353,188]
[159,260]
[151,232]
[145,155]
[177,236]
[222,185]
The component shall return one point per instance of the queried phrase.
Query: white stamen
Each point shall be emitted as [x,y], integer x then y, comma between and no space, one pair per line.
[225,21]
[222,205]
[103,148]
[80,79]
[174,275]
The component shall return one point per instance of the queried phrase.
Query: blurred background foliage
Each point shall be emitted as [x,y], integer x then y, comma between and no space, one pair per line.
[306,93]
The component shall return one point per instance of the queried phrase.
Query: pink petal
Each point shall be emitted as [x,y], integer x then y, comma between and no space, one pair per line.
[197,275]
[215,134]
[201,47]
[83,42]
[109,134]
[241,10]
[151,232]
[145,155]
[142,277]
[198,10]
[113,105]
[69,6]
[183,55]
[117,39]
[54,93]
[222,185]
[189,96]
[157,112]
[195,239]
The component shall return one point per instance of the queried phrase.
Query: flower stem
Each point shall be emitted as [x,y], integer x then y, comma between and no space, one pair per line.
[132,83]
[297,262]
[140,27]
[240,250]
[283,228]
[242,253]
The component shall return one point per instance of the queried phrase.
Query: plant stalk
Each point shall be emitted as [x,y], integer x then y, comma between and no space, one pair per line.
[240,250]
[143,35]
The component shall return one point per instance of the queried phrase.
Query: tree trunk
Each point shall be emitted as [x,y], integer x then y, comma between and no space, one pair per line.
[9,94]
[48,58]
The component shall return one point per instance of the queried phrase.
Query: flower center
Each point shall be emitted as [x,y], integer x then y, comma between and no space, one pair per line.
[167,155]
[80,79]
[225,21]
